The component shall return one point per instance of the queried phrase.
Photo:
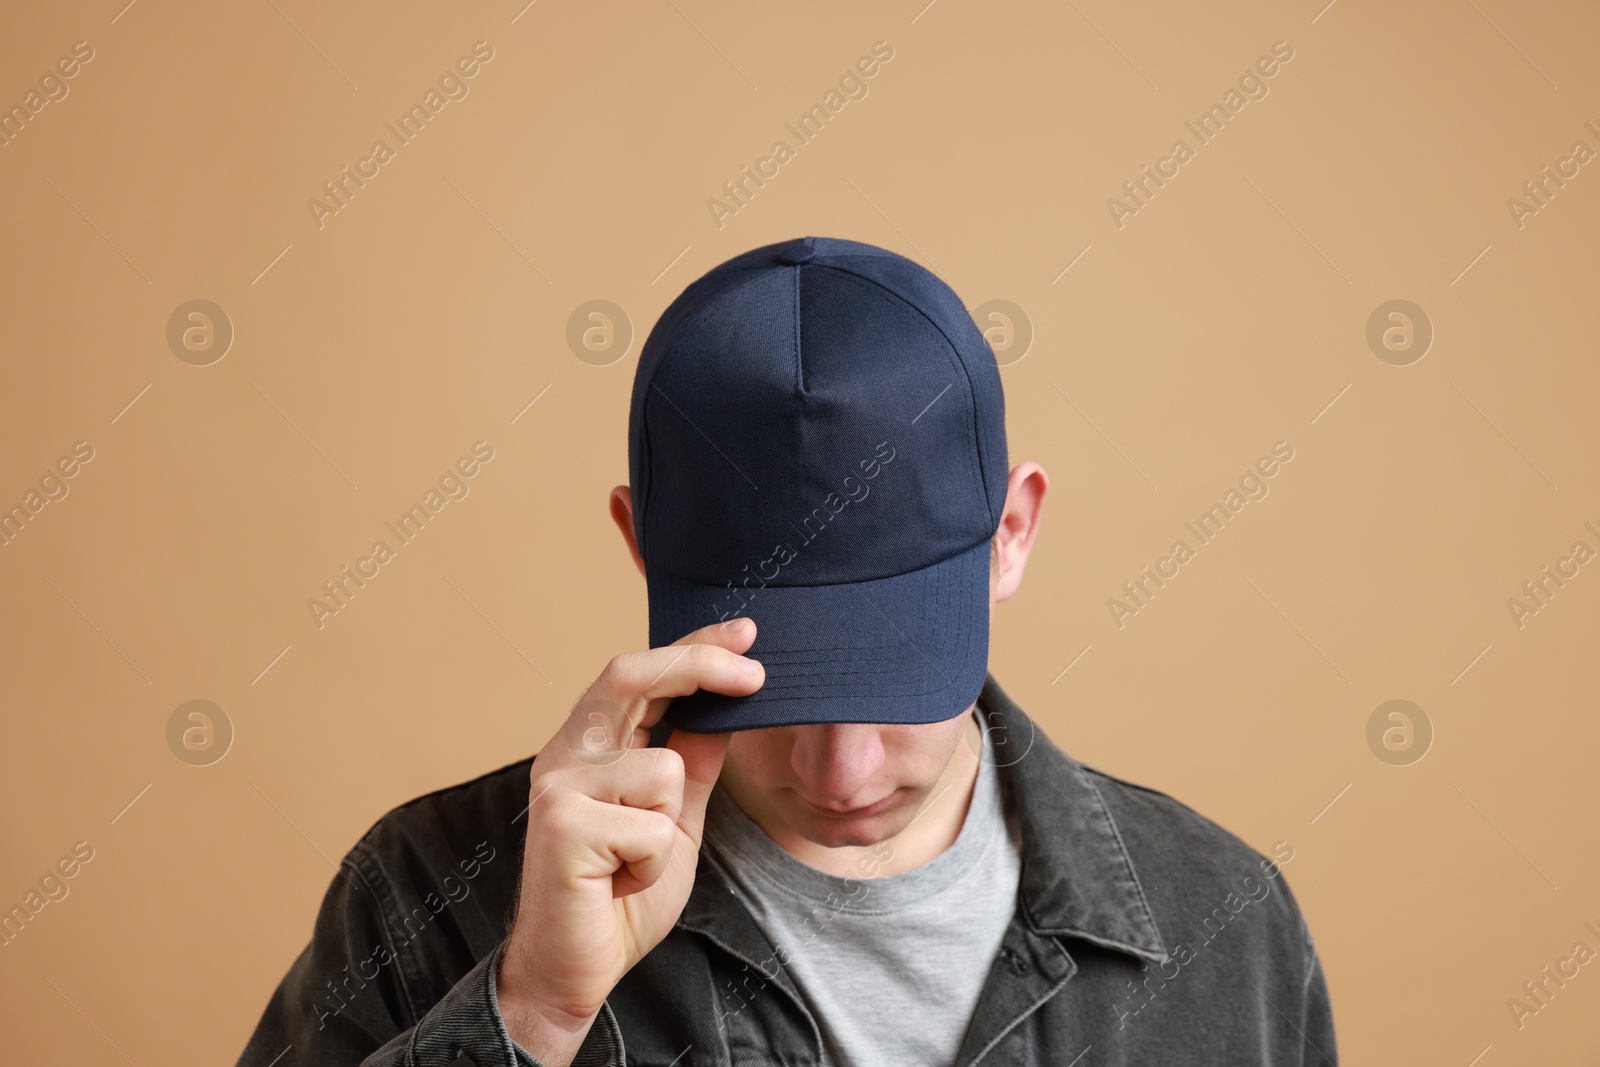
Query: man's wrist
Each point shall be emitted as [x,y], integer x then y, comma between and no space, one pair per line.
[550,1034]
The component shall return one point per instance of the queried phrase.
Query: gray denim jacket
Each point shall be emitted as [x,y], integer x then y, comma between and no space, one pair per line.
[1144,934]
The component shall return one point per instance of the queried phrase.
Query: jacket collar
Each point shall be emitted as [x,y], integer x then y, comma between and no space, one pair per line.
[1077,878]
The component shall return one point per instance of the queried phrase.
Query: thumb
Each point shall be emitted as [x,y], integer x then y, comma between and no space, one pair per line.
[703,755]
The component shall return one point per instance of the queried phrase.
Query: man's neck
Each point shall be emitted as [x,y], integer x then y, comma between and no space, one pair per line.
[933,829]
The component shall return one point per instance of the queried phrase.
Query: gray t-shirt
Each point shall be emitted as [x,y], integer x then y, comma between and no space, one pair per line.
[890,966]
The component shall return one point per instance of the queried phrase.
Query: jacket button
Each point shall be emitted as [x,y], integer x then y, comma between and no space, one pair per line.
[1013,958]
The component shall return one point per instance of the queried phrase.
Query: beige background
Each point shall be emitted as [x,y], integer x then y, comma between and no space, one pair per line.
[1228,314]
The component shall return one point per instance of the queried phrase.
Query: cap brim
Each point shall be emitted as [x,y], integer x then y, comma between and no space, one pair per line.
[912,648]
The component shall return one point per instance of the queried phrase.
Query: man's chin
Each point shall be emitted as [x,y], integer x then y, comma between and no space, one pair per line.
[846,831]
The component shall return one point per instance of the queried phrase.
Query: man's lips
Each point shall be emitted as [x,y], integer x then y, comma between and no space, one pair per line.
[848,813]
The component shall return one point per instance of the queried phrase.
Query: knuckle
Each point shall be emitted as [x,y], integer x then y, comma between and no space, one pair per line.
[708,658]
[542,777]
[561,816]
[611,673]
[622,670]
[666,770]
[664,761]
[662,830]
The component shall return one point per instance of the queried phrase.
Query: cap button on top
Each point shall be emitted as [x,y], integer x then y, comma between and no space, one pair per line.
[799,252]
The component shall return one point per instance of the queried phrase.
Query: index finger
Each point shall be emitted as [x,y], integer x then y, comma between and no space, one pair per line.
[644,684]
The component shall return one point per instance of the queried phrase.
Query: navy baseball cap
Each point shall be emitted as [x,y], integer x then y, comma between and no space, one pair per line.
[816,439]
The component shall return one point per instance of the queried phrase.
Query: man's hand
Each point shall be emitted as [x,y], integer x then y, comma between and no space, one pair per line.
[613,837]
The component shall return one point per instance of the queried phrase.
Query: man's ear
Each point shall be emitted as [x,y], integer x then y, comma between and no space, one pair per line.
[1019,524]
[622,515]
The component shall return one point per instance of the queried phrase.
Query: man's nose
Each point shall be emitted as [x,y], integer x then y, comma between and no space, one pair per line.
[836,761]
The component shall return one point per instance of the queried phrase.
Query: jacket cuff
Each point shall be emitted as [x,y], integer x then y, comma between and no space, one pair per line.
[465,1029]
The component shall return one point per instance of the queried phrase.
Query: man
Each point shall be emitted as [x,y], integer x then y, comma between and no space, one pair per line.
[807,826]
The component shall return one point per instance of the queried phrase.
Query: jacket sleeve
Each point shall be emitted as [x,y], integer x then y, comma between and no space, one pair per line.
[1321,1049]
[351,999]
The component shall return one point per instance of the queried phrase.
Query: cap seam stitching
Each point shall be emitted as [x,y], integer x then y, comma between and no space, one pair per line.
[928,323]
[799,364]
[655,373]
